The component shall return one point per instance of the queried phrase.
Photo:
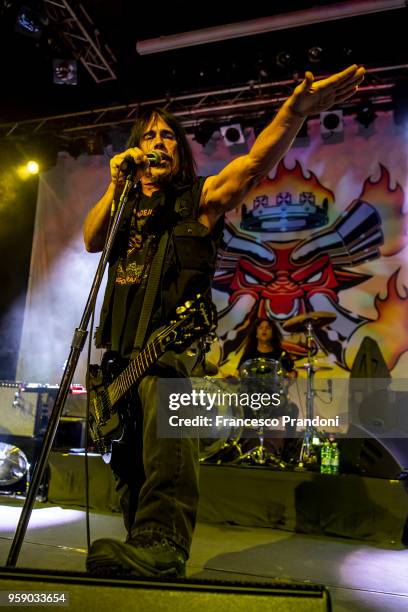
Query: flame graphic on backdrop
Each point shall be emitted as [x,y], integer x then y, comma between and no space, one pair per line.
[389,204]
[390,327]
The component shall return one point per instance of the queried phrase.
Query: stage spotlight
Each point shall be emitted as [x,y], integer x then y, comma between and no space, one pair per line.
[331,126]
[331,121]
[203,132]
[232,134]
[32,167]
[283,59]
[27,170]
[65,72]
[30,22]
[315,54]
[365,114]
[42,150]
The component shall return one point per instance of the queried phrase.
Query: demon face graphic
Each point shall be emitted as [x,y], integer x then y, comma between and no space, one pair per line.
[280,280]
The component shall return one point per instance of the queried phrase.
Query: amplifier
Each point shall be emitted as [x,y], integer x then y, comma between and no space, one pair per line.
[20,410]
[25,409]
[75,404]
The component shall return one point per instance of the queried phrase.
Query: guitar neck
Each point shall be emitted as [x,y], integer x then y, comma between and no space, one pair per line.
[135,370]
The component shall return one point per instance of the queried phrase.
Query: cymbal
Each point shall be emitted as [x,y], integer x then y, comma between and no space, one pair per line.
[317,366]
[316,319]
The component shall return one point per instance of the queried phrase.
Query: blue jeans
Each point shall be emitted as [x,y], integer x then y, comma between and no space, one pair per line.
[157,478]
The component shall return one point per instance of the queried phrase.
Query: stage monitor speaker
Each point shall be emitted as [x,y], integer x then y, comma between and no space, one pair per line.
[384,413]
[364,454]
[19,410]
[104,594]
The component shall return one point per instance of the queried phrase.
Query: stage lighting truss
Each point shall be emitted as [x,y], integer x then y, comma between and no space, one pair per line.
[81,35]
[254,101]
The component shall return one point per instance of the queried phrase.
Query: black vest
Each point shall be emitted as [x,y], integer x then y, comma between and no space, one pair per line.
[189,263]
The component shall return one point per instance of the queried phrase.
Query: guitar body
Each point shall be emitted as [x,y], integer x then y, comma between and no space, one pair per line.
[110,382]
[106,422]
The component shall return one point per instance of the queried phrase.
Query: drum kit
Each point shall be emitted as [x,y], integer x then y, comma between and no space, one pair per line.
[268,375]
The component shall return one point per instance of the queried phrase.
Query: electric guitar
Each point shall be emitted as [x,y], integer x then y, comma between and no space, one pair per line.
[107,415]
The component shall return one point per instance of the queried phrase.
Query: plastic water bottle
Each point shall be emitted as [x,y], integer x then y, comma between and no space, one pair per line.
[325,458]
[334,459]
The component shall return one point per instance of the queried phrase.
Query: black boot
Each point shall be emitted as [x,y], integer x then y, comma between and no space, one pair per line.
[150,558]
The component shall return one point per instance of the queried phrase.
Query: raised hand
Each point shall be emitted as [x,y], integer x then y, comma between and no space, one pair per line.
[312,97]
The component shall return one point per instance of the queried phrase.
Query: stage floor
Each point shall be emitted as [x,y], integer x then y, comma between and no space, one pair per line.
[360,577]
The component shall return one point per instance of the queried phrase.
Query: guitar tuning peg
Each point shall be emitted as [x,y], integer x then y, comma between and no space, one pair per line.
[180,309]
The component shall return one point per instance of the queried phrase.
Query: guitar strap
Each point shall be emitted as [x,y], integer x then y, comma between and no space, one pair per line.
[184,208]
[150,294]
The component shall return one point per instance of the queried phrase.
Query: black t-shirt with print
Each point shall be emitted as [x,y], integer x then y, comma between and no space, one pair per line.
[132,273]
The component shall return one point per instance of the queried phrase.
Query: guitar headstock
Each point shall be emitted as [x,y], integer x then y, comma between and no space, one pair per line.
[194,319]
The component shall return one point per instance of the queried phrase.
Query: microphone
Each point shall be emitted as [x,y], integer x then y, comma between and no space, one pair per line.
[128,166]
[155,158]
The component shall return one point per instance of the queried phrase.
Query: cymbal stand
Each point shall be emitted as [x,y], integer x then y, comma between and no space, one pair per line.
[305,451]
[259,454]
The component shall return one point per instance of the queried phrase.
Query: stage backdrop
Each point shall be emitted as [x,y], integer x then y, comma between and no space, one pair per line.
[326,230]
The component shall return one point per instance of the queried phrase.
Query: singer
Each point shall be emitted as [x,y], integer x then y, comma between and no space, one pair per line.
[158,477]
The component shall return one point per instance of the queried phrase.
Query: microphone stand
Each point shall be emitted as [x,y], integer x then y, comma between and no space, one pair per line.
[77,345]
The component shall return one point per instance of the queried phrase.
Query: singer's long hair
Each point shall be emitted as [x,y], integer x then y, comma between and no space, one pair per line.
[252,341]
[187,167]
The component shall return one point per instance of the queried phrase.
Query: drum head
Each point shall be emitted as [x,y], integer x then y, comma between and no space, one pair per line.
[259,366]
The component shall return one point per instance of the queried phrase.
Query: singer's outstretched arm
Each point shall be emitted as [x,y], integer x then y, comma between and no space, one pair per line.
[227,189]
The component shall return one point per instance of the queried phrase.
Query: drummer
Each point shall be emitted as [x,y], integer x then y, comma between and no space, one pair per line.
[265,340]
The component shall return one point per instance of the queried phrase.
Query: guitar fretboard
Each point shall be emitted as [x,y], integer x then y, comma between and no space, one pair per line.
[137,367]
